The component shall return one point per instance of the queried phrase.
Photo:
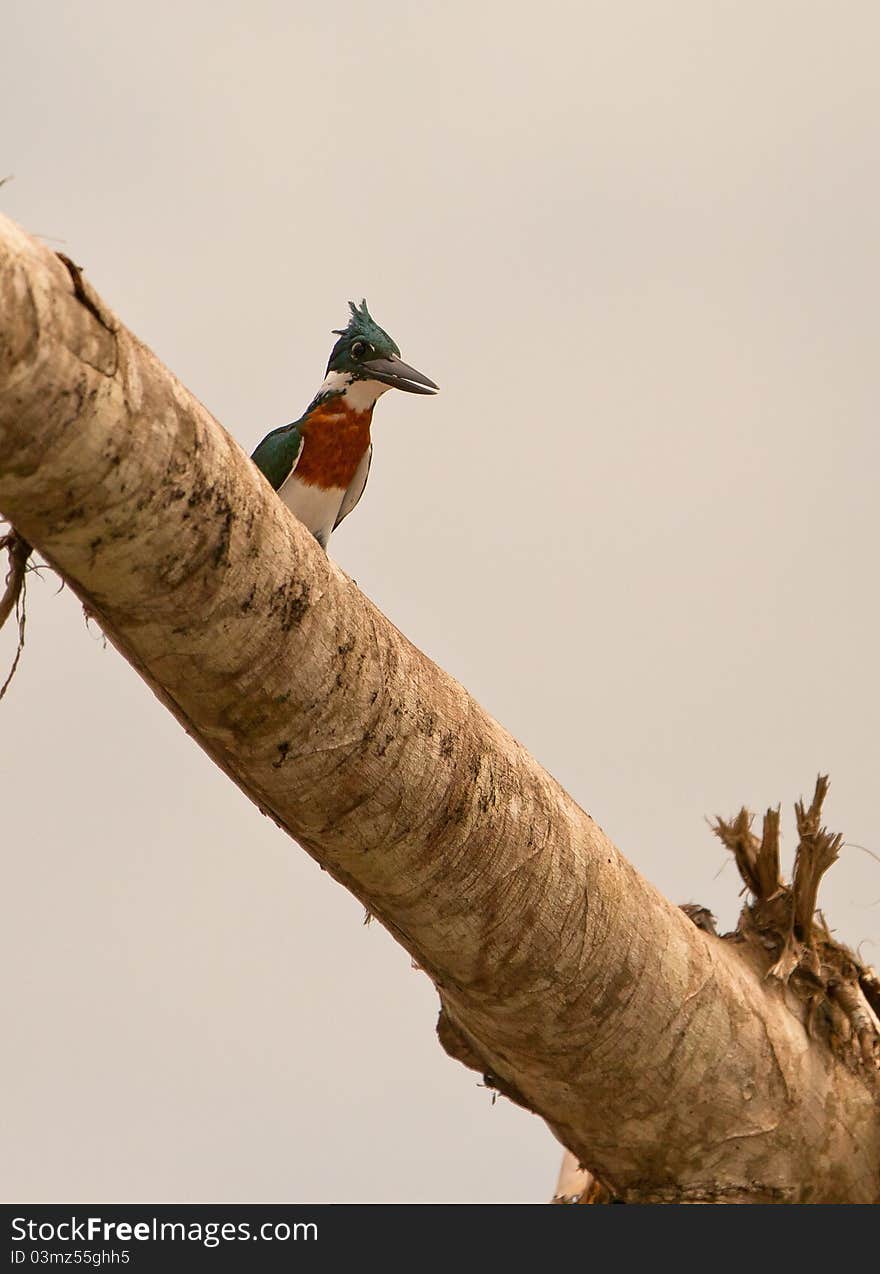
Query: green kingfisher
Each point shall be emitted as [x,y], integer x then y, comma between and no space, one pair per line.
[319,464]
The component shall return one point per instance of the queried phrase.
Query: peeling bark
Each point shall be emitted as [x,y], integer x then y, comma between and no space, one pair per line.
[658,1053]
[18,552]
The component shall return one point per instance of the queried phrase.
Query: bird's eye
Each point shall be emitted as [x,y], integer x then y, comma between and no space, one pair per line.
[359,348]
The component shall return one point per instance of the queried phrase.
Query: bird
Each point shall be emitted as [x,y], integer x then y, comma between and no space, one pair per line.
[319,464]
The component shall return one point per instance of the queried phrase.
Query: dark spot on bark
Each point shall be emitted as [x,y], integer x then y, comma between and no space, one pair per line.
[298,606]
[447,744]
[345,649]
[221,550]
[283,749]
[289,605]
[176,493]
[374,696]
[197,496]
[506,1090]
[96,542]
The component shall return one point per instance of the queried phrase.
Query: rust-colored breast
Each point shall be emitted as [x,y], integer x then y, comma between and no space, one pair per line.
[334,441]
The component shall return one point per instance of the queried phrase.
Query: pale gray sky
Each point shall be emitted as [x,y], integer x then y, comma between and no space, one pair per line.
[636,244]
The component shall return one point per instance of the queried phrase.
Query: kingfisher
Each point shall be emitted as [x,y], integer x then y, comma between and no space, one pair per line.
[319,465]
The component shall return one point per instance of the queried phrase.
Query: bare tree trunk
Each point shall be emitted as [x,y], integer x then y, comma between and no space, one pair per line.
[659,1054]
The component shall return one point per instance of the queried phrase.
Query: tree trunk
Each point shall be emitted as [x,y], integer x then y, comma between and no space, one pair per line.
[658,1053]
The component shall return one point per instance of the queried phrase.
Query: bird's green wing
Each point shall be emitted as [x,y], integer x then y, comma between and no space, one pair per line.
[355,487]
[277,454]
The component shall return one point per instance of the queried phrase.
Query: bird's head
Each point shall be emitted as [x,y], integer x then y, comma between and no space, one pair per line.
[365,352]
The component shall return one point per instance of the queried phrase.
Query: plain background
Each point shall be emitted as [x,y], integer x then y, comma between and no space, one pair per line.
[636,244]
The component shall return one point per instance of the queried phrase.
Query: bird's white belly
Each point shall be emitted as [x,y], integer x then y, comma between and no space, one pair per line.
[314,506]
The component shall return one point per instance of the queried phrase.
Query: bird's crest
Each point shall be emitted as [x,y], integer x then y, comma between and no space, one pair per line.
[363,325]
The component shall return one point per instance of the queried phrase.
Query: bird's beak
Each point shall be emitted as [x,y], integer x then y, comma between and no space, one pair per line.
[394,372]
